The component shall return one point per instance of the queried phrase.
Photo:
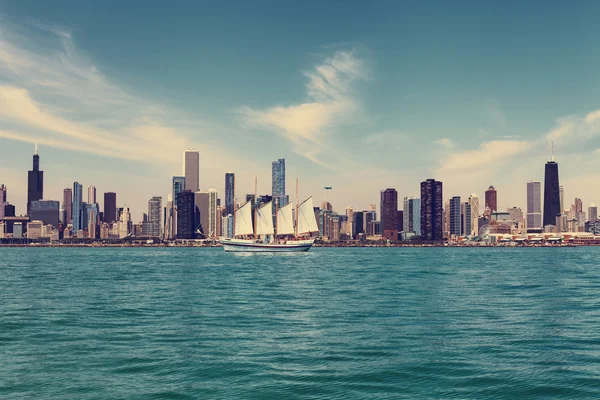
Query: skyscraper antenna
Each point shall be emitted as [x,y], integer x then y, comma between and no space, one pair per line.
[36,149]
[552,150]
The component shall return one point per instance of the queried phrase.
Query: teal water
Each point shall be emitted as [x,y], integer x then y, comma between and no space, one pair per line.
[332,323]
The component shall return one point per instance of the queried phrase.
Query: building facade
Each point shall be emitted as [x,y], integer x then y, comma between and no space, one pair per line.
[278,183]
[491,199]
[192,170]
[431,210]
[388,211]
[46,211]
[552,206]
[110,207]
[455,216]
[229,193]
[534,207]
[154,216]
[77,209]
[185,215]
[412,216]
[35,182]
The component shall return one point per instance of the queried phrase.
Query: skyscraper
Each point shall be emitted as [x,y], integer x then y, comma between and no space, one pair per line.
[389,211]
[206,203]
[67,206]
[229,193]
[534,207]
[91,195]
[592,213]
[466,219]
[110,207]
[278,183]
[154,212]
[551,193]
[192,170]
[178,187]
[491,199]
[431,210]
[455,220]
[412,215]
[474,204]
[185,215]
[2,200]
[77,207]
[35,182]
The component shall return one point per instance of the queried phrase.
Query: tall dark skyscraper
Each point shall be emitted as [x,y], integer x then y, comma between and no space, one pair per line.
[389,214]
[186,215]
[491,199]
[431,210]
[229,193]
[67,217]
[110,207]
[35,182]
[551,193]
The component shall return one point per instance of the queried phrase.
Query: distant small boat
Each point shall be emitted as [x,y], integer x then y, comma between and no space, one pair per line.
[291,234]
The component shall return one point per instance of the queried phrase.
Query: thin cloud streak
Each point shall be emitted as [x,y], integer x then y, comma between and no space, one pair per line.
[332,104]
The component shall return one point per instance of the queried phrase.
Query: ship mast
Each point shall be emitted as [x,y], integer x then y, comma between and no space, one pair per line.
[255,205]
[296,216]
[234,209]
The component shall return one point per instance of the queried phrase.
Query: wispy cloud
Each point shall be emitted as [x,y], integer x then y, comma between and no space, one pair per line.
[445,142]
[332,103]
[52,94]
[385,138]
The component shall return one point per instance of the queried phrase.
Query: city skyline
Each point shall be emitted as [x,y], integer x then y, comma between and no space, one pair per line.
[339,110]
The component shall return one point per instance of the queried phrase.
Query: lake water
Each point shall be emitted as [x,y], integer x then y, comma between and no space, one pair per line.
[81,323]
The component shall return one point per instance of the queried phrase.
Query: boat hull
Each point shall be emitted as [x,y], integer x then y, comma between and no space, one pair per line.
[250,246]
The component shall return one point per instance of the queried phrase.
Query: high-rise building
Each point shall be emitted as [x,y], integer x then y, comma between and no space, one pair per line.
[389,211]
[278,183]
[551,193]
[178,187]
[185,215]
[359,223]
[77,209]
[370,218]
[110,207]
[592,213]
[455,220]
[229,193]
[474,204]
[2,200]
[412,215]
[154,212]
[491,199]
[192,170]
[91,211]
[91,195]
[35,182]
[431,210]
[534,207]
[206,205]
[46,211]
[578,205]
[466,219]
[67,217]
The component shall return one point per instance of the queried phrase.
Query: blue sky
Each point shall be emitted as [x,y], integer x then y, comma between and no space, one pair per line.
[354,95]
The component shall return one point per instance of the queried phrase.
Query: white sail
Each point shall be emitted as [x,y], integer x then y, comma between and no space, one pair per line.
[285,220]
[243,220]
[264,219]
[306,217]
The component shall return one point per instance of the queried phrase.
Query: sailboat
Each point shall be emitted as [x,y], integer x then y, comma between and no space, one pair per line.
[291,234]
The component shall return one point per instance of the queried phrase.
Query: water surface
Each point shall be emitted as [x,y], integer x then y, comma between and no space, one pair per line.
[331,323]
